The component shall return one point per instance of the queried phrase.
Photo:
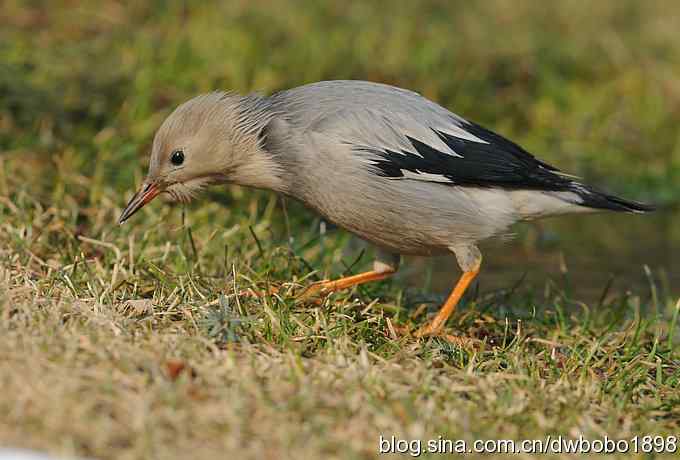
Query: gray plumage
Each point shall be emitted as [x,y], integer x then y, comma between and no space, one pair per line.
[387,164]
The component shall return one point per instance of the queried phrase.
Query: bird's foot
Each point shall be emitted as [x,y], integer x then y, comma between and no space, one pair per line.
[428,330]
[317,289]
[250,292]
[396,330]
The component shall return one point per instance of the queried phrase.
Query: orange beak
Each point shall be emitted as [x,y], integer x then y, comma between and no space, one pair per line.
[148,192]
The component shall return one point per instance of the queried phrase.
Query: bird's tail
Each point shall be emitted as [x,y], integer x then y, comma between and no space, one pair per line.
[595,199]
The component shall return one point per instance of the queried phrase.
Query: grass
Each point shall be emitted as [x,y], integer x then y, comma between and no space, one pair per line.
[132,341]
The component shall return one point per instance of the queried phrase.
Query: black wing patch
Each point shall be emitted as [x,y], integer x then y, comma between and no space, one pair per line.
[497,163]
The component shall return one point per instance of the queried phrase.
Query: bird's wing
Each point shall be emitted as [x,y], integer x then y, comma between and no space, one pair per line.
[428,143]
[400,135]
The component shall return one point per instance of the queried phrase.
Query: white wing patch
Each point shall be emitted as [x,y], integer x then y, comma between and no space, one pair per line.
[460,133]
[423,176]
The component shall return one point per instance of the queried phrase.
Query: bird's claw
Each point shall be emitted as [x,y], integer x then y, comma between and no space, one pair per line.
[250,292]
[428,329]
[317,289]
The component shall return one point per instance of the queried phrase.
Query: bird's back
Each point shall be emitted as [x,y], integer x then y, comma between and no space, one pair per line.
[311,102]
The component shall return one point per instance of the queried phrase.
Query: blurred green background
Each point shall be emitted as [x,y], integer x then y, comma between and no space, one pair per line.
[591,87]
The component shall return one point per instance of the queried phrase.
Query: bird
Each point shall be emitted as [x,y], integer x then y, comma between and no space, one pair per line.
[387,164]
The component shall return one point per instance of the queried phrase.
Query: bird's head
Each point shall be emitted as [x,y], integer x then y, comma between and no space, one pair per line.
[209,139]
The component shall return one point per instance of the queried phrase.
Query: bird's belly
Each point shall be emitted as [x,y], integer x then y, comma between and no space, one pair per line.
[418,219]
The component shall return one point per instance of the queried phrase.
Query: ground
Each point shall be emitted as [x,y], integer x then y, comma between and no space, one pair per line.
[141,341]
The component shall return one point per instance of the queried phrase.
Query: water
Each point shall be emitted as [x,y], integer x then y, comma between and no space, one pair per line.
[581,253]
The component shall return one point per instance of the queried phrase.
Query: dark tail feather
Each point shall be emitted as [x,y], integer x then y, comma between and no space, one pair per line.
[593,198]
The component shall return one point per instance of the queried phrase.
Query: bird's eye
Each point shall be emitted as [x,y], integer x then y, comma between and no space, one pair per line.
[177,157]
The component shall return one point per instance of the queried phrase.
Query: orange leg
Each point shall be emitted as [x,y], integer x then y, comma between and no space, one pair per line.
[325,287]
[449,306]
